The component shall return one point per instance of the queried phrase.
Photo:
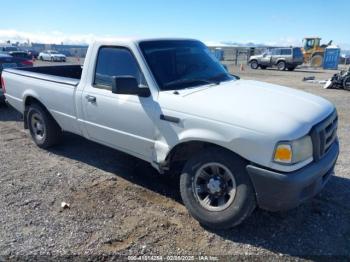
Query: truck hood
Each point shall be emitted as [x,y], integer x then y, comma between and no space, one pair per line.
[255,57]
[258,106]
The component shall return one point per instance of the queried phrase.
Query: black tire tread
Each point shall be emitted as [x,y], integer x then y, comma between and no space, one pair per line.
[233,215]
[347,79]
[284,68]
[53,130]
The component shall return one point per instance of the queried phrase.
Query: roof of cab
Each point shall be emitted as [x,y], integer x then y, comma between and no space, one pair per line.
[138,40]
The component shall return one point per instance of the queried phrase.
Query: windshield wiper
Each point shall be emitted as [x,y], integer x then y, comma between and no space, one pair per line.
[190,81]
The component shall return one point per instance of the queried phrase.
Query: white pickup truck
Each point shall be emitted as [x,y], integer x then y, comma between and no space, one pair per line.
[237,143]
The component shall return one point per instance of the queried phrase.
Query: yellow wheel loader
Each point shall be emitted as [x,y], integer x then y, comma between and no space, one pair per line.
[313,51]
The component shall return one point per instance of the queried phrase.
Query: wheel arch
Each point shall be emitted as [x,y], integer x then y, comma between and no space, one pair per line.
[182,151]
[280,60]
[29,100]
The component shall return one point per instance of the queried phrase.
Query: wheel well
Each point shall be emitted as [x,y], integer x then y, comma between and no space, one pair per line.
[178,155]
[318,53]
[29,101]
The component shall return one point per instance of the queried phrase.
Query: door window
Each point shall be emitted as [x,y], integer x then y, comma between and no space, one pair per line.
[276,51]
[112,61]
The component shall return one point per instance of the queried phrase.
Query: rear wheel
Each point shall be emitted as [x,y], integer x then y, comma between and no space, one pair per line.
[254,64]
[281,65]
[43,128]
[316,61]
[346,83]
[216,189]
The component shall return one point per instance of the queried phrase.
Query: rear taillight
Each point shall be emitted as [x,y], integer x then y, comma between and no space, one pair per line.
[3,85]
[27,63]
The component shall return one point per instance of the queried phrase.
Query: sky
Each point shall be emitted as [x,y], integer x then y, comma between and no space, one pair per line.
[273,22]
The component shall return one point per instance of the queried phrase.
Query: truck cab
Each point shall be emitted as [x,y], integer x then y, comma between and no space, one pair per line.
[171,103]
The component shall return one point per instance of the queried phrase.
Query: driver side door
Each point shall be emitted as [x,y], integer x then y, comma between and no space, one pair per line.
[266,59]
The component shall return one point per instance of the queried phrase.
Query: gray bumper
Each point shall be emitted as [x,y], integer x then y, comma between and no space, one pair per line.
[280,191]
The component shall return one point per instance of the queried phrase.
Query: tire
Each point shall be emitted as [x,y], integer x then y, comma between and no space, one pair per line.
[254,64]
[215,215]
[43,128]
[281,65]
[346,83]
[291,68]
[316,61]
[263,67]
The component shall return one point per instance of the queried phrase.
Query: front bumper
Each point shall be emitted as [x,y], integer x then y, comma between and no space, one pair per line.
[58,59]
[281,191]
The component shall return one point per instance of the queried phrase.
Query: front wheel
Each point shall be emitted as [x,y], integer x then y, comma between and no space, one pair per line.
[216,189]
[254,64]
[316,61]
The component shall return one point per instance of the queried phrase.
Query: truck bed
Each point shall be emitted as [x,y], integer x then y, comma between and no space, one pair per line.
[66,74]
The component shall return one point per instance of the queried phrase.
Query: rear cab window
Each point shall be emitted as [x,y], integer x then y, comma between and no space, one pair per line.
[115,61]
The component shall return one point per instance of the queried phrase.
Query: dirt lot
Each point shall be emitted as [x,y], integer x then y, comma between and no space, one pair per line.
[120,205]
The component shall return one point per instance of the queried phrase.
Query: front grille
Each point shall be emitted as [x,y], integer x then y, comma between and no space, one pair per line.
[323,135]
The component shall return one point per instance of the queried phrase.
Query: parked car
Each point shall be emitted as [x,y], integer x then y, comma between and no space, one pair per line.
[236,143]
[8,61]
[33,53]
[6,49]
[282,58]
[20,54]
[52,56]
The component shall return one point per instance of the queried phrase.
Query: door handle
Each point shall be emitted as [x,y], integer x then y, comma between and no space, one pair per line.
[90,99]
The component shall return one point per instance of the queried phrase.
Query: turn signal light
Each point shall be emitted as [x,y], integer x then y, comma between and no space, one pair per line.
[284,154]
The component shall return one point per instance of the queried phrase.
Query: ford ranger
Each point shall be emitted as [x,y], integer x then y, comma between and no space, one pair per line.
[237,144]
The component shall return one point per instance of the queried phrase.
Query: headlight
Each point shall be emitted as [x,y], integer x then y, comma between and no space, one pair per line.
[294,151]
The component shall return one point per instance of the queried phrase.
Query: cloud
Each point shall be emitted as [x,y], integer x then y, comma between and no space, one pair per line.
[54,37]
[285,41]
[57,37]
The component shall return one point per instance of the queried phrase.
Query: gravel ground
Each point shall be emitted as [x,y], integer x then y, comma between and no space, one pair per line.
[120,205]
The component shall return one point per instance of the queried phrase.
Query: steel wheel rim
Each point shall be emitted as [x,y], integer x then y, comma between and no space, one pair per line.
[214,186]
[254,65]
[38,127]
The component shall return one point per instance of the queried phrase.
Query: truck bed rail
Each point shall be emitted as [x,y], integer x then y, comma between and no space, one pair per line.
[68,74]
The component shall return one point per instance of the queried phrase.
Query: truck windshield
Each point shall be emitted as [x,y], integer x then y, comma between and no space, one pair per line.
[179,64]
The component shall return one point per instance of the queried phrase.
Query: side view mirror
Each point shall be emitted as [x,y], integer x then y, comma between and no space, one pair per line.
[128,85]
